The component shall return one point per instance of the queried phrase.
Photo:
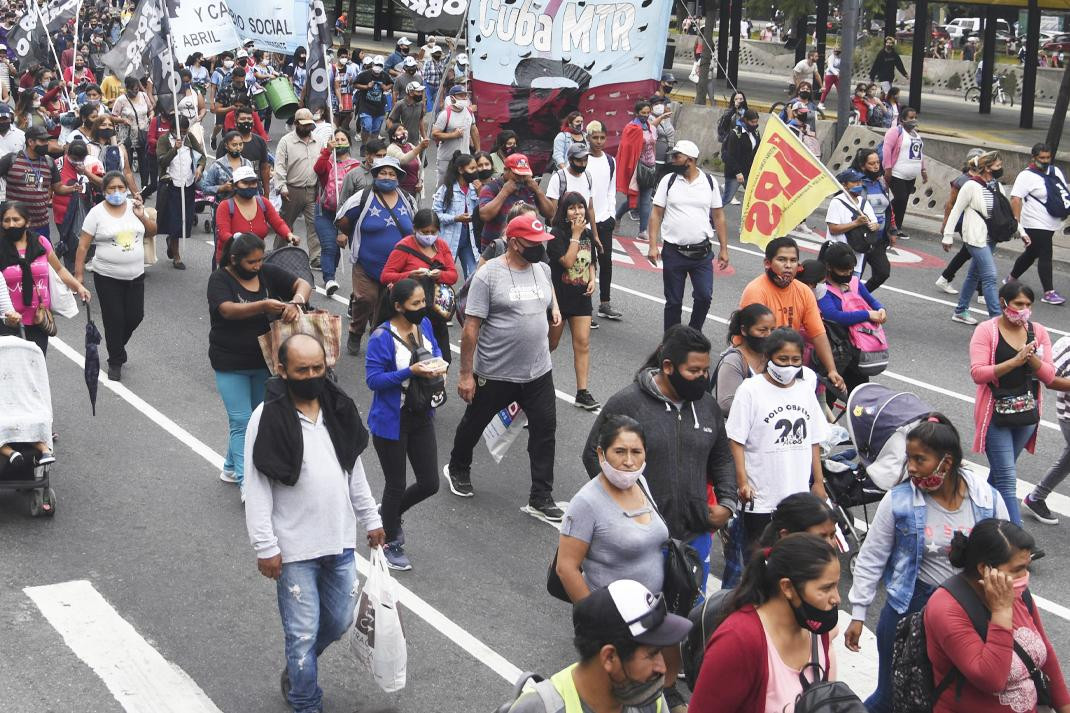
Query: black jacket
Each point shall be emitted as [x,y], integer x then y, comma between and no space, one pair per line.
[738,154]
[685,449]
[884,66]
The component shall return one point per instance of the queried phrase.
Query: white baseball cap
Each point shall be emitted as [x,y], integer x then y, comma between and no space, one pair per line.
[687,148]
[462,59]
[404,42]
[409,62]
[378,60]
[367,61]
[434,48]
[414,87]
[243,173]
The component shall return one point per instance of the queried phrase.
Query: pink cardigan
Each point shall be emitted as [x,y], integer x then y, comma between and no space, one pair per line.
[983,370]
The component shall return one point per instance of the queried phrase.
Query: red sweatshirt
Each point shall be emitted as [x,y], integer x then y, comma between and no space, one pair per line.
[400,263]
[227,225]
[996,680]
[230,122]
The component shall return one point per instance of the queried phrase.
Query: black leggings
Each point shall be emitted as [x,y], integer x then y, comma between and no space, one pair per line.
[754,524]
[122,307]
[605,258]
[417,441]
[879,267]
[1039,249]
[901,192]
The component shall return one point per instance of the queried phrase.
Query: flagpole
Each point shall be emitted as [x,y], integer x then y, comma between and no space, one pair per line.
[178,122]
[51,46]
[74,46]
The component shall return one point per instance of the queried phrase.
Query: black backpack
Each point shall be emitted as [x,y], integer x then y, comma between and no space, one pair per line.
[861,239]
[1002,225]
[912,673]
[704,619]
[421,395]
[822,695]
[1057,202]
[844,352]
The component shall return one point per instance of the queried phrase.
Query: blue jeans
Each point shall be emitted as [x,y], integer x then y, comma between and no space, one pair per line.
[881,699]
[675,269]
[731,185]
[1002,446]
[242,391]
[330,252]
[371,124]
[465,256]
[316,602]
[646,202]
[983,270]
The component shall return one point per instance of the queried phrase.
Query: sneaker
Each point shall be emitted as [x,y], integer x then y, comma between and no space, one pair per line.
[548,511]
[1053,298]
[1011,279]
[902,236]
[945,286]
[981,300]
[395,557]
[734,201]
[400,539]
[460,482]
[314,263]
[46,458]
[331,287]
[964,318]
[1039,509]
[227,476]
[633,215]
[585,401]
[594,323]
[642,235]
[15,460]
[820,106]
[353,343]
[115,372]
[606,310]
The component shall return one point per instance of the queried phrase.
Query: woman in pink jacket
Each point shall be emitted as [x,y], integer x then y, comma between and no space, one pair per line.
[1009,354]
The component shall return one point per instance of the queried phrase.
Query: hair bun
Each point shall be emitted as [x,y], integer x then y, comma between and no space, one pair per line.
[957,554]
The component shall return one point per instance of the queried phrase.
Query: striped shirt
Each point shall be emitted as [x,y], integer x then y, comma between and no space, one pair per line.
[30,181]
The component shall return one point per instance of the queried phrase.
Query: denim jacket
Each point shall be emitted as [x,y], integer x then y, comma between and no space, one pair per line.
[217,174]
[896,540]
[460,203]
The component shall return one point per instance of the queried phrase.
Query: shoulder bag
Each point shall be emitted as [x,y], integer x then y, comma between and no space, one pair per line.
[1012,407]
[861,239]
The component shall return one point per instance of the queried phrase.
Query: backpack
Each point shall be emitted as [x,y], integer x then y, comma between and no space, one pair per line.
[725,124]
[876,116]
[868,338]
[1057,202]
[562,179]
[703,618]
[822,695]
[421,395]
[844,353]
[674,176]
[335,176]
[1002,225]
[912,672]
[112,158]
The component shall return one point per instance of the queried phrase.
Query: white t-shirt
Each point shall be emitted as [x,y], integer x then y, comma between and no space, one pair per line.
[1033,191]
[582,184]
[908,164]
[838,213]
[120,251]
[605,188]
[803,71]
[778,428]
[687,210]
[403,355]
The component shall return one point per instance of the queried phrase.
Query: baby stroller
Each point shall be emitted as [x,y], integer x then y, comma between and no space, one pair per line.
[878,420]
[26,419]
[202,200]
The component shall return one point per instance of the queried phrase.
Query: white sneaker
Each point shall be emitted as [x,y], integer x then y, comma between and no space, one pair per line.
[331,287]
[820,106]
[945,286]
[734,201]
[227,476]
[964,318]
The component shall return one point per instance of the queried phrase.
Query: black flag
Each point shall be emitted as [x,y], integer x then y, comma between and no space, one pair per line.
[442,17]
[29,37]
[143,34]
[319,75]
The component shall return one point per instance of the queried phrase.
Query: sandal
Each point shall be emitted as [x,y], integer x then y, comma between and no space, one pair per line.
[178,264]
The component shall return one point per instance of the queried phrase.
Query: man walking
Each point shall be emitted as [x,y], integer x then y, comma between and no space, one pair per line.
[454,129]
[687,211]
[602,168]
[886,64]
[305,491]
[505,357]
[806,71]
[739,152]
[294,158]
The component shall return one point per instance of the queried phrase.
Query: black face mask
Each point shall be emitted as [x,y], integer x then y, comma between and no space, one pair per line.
[818,621]
[307,389]
[997,173]
[14,234]
[679,168]
[245,127]
[486,174]
[804,95]
[415,316]
[755,344]
[577,168]
[4,126]
[243,273]
[533,253]
[873,175]
[304,131]
[689,389]
[106,134]
[509,150]
[840,278]
[470,175]
[234,152]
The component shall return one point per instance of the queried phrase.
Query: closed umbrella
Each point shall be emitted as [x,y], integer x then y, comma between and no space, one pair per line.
[92,357]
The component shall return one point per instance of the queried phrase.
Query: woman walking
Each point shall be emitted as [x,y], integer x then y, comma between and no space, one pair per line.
[748,329]
[132,113]
[457,202]
[247,212]
[401,350]
[218,180]
[333,165]
[636,167]
[408,155]
[868,163]
[117,228]
[181,160]
[244,295]
[105,147]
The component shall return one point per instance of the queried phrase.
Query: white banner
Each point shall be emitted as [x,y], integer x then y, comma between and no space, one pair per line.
[212,26]
[203,26]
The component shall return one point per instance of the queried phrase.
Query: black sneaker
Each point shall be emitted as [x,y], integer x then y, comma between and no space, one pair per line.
[1040,510]
[353,344]
[547,511]
[1037,554]
[594,324]
[902,236]
[606,310]
[16,460]
[585,401]
[460,482]
[115,372]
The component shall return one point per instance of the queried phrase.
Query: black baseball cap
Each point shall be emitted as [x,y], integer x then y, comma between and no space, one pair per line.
[627,609]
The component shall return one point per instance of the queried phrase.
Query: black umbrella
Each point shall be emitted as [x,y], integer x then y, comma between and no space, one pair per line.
[92,358]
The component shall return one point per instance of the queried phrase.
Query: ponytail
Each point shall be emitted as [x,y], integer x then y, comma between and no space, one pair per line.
[799,558]
[939,435]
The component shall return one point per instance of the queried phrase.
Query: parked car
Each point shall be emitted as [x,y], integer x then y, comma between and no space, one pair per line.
[1061,43]
[962,28]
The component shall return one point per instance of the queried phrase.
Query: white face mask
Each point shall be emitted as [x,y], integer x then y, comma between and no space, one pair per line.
[426,240]
[228,63]
[783,374]
[621,479]
[460,104]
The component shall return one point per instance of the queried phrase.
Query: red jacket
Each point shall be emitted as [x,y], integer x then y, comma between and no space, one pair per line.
[231,122]
[735,672]
[400,263]
[628,152]
[227,225]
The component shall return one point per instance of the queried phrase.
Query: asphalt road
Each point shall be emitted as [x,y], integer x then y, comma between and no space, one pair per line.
[143,518]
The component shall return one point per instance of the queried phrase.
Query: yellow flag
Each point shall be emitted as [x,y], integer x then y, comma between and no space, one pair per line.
[786,184]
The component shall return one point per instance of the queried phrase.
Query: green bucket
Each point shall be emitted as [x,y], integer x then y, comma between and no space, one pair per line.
[281,97]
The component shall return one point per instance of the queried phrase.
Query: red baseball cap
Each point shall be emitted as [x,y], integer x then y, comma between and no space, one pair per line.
[527,227]
[518,164]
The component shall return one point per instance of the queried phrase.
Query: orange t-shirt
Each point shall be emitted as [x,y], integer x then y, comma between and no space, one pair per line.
[793,306]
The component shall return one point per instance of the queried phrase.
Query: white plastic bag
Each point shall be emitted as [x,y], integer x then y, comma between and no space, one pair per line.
[377,639]
[63,301]
[503,430]
[694,75]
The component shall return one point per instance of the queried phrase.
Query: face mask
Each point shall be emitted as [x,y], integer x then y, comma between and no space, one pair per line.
[4,126]
[248,192]
[857,190]
[804,95]
[79,67]
[779,280]
[577,128]
[106,134]
[889,48]
[755,344]
[243,273]
[509,150]
[997,173]
[116,199]
[342,148]
[185,86]
[910,125]
[533,253]
[783,375]
[873,175]
[679,168]
[486,174]
[245,127]
[1040,166]
[1017,316]
[637,694]
[460,104]
[426,240]
[1020,584]
[688,389]
[415,316]
[820,291]
[234,152]
[386,185]
[342,61]
[930,482]
[841,278]
[401,138]
[228,63]
[577,168]
[307,389]
[304,131]
[14,234]
[621,479]
[657,109]
[817,621]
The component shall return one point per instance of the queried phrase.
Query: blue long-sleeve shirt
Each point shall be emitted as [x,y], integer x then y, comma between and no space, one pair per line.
[385,379]
[832,307]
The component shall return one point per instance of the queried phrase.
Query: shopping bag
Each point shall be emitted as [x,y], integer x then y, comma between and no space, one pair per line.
[503,430]
[150,250]
[321,324]
[63,301]
[377,640]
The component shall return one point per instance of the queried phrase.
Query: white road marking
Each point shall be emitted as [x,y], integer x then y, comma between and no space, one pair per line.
[141,680]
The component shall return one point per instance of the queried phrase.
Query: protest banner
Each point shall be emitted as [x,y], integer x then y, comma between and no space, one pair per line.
[534,61]
[318,39]
[30,37]
[786,184]
[430,16]
[274,26]
[203,26]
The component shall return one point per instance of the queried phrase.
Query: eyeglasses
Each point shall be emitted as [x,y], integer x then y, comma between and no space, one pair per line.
[652,618]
